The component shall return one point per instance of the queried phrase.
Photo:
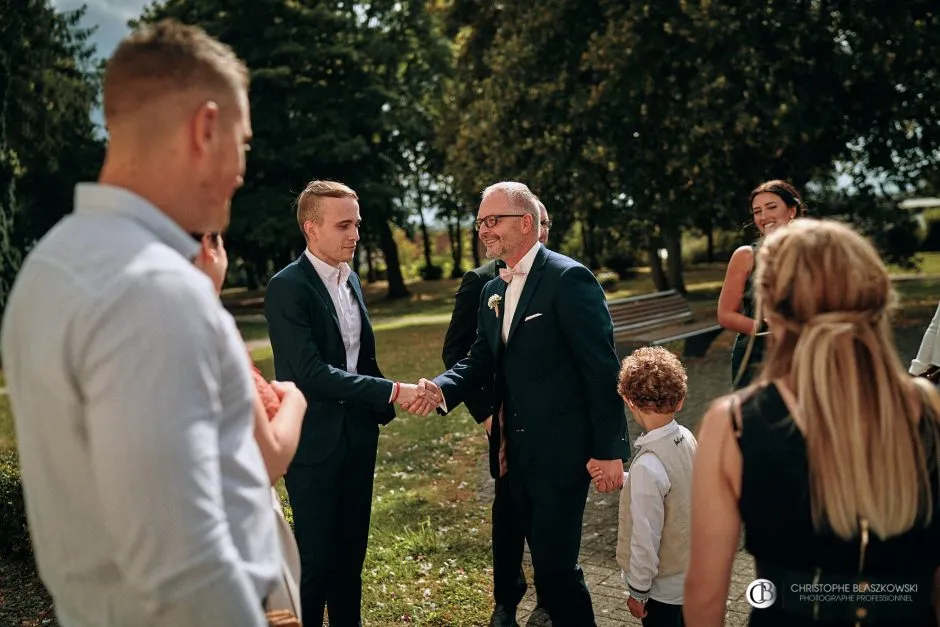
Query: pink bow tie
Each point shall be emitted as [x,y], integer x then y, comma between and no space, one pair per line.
[506,274]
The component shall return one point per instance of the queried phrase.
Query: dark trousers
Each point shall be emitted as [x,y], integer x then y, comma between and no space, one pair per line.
[509,584]
[551,516]
[663,615]
[332,504]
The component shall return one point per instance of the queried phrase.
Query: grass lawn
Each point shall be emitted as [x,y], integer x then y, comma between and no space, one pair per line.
[429,557]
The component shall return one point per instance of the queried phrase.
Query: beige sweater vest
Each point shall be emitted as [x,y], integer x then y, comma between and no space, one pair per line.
[676,453]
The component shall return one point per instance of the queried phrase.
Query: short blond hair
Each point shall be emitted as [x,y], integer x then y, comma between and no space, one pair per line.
[654,380]
[309,205]
[167,58]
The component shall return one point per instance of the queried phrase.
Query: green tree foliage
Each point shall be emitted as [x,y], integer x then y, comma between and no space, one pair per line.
[48,88]
[339,91]
[645,119]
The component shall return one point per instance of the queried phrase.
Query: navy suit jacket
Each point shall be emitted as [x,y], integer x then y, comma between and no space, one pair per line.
[556,375]
[309,350]
[462,331]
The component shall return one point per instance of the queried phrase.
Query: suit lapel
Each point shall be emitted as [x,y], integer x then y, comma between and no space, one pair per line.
[366,337]
[531,283]
[497,340]
[320,287]
[354,286]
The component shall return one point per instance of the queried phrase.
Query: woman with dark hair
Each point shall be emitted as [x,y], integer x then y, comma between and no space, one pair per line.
[773,204]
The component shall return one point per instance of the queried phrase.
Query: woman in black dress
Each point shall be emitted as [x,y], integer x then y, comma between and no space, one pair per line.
[773,204]
[831,460]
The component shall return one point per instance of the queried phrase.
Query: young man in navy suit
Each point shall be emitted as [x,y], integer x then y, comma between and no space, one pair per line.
[545,345]
[322,339]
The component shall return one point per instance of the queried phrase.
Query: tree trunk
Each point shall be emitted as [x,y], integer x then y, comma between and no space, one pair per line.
[255,268]
[370,264]
[426,237]
[656,265]
[396,282]
[673,239]
[456,247]
[357,261]
[710,243]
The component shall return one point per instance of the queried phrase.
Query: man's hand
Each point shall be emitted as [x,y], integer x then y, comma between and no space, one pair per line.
[420,399]
[637,608]
[607,474]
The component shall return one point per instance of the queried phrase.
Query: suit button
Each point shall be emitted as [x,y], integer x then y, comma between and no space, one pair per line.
[342,402]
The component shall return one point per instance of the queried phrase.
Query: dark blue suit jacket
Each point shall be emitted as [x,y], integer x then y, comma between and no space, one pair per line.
[556,375]
[309,350]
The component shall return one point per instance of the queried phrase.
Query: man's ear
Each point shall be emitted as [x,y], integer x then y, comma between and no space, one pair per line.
[679,407]
[310,229]
[205,127]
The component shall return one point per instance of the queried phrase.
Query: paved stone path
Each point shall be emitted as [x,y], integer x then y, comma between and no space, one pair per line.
[709,378]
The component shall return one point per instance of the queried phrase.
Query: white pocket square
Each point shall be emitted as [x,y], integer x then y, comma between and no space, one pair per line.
[527,318]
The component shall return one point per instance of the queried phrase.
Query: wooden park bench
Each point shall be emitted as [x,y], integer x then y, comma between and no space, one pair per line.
[659,318]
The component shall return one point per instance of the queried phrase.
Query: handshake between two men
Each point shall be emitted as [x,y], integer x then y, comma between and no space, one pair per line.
[425,396]
[421,398]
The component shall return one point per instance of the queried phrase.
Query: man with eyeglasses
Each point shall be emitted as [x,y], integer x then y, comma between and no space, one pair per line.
[544,357]
[508,536]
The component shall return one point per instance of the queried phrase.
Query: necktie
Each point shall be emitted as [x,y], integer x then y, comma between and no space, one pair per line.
[506,274]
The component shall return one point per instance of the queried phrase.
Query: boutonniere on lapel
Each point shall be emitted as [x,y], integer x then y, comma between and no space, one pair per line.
[493,303]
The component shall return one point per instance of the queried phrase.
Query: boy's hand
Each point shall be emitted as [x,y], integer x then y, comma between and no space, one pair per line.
[607,474]
[637,608]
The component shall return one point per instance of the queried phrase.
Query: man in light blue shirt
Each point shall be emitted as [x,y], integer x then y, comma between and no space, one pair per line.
[147,498]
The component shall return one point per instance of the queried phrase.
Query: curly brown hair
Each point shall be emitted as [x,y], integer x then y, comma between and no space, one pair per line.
[653,379]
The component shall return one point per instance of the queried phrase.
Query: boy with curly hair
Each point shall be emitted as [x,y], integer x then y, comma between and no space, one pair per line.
[655,502]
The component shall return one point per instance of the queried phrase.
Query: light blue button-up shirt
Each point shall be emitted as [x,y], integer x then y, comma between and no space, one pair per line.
[146,493]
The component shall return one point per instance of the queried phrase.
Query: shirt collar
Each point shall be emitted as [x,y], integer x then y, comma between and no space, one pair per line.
[97,198]
[329,274]
[657,434]
[525,264]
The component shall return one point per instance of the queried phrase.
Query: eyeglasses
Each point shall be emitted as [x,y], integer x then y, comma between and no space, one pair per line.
[546,223]
[493,220]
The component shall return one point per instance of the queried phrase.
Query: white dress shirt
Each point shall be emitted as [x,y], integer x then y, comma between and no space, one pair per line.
[514,287]
[929,352]
[649,485]
[347,309]
[147,497]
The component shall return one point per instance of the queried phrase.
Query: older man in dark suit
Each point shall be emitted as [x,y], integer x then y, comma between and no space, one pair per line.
[509,582]
[545,347]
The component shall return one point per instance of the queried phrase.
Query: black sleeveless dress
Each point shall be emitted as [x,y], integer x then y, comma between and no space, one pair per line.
[788,551]
[748,304]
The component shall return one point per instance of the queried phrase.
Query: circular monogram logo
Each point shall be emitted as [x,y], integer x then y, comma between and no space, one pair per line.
[761,593]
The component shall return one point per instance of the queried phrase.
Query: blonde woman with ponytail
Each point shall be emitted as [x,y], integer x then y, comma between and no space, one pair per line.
[830,460]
